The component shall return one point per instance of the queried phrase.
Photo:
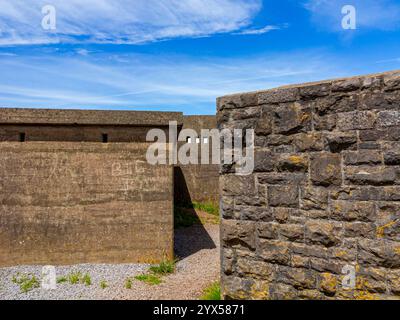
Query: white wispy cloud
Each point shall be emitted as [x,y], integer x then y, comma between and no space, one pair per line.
[148,81]
[122,21]
[258,31]
[370,14]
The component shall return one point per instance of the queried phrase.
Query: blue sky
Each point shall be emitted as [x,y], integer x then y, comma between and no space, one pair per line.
[180,55]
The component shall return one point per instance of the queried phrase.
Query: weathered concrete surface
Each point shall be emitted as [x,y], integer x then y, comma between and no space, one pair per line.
[82,125]
[68,203]
[197,182]
[87,117]
[325,192]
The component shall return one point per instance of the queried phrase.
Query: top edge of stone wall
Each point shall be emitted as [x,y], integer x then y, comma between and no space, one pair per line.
[88,117]
[309,90]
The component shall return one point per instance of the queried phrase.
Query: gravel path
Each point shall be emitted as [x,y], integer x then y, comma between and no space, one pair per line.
[196,246]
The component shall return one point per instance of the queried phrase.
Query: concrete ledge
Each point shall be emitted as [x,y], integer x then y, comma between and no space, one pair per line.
[87,117]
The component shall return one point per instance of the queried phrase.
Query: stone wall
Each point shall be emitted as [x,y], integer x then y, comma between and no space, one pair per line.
[325,192]
[72,202]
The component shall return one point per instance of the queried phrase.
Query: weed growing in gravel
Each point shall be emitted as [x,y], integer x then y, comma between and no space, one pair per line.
[212,292]
[165,267]
[62,279]
[103,284]
[128,283]
[86,280]
[74,277]
[26,282]
[150,279]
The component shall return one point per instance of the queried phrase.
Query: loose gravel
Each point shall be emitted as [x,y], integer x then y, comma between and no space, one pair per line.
[197,247]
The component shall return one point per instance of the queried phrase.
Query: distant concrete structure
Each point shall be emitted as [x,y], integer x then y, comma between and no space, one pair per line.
[76,187]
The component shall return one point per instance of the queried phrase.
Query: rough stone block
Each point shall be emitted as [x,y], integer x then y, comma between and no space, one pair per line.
[378,253]
[238,233]
[299,278]
[263,160]
[326,169]
[283,196]
[274,251]
[314,198]
[392,158]
[291,118]
[328,283]
[369,175]
[267,230]
[336,103]
[308,142]
[322,232]
[392,81]
[292,162]
[235,288]
[282,178]
[337,142]
[362,157]
[234,185]
[315,91]
[353,211]
[265,123]
[388,119]
[255,213]
[356,120]
[291,232]
[359,230]
[325,122]
[279,95]
[346,85]
[254,268]
[237,101]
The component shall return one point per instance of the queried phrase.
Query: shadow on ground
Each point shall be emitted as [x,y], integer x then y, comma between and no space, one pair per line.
[190,234]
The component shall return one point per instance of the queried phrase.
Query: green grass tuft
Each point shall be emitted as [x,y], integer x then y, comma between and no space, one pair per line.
[150,279]
[62,279]
[86,280]
[209,207]
[165,267]
[74,277]
[26,282]
[212,292]
[128,283]
[103,284]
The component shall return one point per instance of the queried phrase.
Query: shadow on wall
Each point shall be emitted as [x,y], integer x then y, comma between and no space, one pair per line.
[192,239]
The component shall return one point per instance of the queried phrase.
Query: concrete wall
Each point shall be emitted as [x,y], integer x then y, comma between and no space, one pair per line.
[68,203]
[325,193]
[197,182]
[81,125]
[68,197]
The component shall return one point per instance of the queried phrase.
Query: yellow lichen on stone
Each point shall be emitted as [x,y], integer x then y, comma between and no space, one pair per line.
[328,283]
[341,253]
[380,231]
[361,293]
[260,291]
[296,159]
[365,295]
